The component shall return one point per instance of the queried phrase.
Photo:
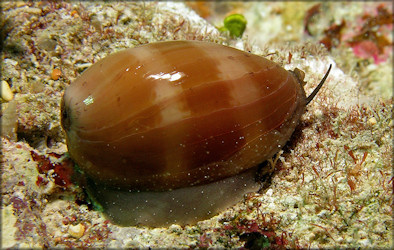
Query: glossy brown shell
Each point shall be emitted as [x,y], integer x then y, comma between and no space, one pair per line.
[174,114]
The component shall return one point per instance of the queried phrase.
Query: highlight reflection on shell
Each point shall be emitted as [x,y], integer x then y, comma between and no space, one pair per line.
[174,114]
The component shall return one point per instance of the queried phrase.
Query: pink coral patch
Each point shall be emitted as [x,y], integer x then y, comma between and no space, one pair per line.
[368,49]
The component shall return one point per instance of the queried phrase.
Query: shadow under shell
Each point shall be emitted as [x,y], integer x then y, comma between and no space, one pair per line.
[179,206]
